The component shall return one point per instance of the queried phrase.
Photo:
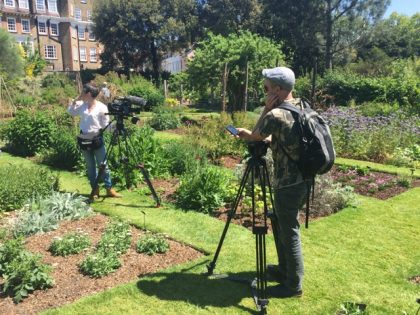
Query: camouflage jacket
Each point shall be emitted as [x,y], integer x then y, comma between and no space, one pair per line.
[281,125]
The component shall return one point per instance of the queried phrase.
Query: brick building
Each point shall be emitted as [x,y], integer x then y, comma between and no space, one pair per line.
[61,30]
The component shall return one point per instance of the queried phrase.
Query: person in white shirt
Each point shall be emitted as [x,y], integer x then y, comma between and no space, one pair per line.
[93,118]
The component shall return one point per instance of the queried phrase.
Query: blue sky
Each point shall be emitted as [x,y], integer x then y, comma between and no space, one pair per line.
[407,7]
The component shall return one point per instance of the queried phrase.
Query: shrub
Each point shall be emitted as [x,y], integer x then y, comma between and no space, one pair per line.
[8,251]
[183,157]
[152,244]
[24,274]
[211,135]
[28,133]
[70,244]
[164,118]
[146,149]
[57,89]
[116,238]
[330,197]
[44,214]
[64,152]
[22,183]
[203,190]
[100,264]
[138,86]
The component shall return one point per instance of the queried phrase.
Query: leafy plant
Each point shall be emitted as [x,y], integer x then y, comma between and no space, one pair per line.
[152,244]
[100,264]
[202,190]
[351,308]
[23,182]
[24,274]
[164,118]
[116,238]
[8,251]
[70,244]
[183,157]
[43,214]
[28,133]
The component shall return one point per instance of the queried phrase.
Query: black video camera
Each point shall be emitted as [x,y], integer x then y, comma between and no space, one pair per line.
[257,148]
[126,106]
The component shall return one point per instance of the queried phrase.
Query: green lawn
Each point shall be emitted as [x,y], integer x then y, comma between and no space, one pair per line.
[363,254]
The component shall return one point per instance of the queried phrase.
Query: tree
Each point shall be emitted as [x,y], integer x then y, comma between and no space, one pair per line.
[137,33]
[230,16]
[206,69]
[11,63]
[345,22]
[396,36]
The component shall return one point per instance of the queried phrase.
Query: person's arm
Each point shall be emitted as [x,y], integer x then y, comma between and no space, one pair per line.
[75,105]
[250,135]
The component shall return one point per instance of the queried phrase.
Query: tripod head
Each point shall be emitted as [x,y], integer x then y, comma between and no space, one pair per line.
[257,149]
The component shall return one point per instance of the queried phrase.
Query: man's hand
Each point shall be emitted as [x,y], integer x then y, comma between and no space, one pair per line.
[270,101]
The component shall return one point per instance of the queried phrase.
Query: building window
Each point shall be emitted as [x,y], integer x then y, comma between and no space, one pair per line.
[54,29]
[40,5]
[50,52]
[92,54]
[26,26]
[89,15]
[83,54]
[78,14]
[91,35]
[52,6]
[42,27]
[24,4]
[81,32]
[9,3]
[11,24]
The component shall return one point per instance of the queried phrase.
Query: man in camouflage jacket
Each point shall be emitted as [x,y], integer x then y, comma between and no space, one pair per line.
[289,188]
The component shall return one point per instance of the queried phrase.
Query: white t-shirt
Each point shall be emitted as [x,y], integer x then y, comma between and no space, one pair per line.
[90,122]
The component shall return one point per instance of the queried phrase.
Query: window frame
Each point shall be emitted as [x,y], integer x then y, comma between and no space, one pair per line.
[13,5]
[45,32]
[25,6]
[51,29]
[91,38]
[83,56]
[78,10]
[95,59]
[54,50]
[79,30]
[55,5]
[29,25]
[39,8]
[8,24]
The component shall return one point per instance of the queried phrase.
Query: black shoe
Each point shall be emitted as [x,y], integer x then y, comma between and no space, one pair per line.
[281,291]
[274,272]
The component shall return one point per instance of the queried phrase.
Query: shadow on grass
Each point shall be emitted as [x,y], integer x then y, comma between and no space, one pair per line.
[198,289]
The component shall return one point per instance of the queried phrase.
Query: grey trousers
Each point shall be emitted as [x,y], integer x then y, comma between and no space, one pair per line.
[287,202]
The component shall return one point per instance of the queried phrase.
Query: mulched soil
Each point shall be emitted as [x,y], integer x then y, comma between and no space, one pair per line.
[374,184]
[71,285]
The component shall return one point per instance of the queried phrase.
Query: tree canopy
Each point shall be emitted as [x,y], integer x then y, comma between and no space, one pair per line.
[207,68]
[11,63]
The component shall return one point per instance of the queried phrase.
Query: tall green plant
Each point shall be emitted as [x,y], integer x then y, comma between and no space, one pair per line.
[29,132]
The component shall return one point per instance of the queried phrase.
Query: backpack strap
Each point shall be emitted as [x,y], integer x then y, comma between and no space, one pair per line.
[296,113]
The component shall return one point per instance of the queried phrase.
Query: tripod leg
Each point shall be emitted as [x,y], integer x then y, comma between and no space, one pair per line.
[212,265]
[140,166]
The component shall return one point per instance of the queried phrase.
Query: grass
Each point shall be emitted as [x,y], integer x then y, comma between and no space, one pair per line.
[363,254]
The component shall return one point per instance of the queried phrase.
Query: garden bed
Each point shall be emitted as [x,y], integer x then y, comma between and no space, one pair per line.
[71,284]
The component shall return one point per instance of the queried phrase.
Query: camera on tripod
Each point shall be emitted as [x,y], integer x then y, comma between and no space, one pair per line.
[257,148]
[126,106]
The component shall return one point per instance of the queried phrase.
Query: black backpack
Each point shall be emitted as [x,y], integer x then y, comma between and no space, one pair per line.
[317,152]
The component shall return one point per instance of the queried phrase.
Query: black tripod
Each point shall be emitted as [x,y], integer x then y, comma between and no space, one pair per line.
[257,167]
[121,138]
